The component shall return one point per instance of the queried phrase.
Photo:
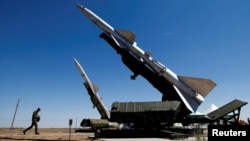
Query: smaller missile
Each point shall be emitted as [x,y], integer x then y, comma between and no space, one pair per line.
[92,91]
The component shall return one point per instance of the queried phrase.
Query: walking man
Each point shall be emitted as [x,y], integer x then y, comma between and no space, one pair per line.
[35,119]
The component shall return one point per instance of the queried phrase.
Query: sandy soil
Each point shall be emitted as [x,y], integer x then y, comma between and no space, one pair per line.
[46,134]
[63,134]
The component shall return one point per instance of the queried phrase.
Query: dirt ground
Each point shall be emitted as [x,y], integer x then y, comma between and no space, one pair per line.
[64,134]
[46,134]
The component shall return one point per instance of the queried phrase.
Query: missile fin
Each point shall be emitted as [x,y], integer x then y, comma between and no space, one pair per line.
[190,103]
[116,41]
[96,88]
[200,85]
[148,53]
[130,36]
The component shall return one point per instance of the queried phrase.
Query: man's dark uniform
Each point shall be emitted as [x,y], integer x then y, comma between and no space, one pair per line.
[35,119]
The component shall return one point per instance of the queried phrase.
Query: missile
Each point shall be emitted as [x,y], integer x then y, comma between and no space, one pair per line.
[92,91]
[191,91]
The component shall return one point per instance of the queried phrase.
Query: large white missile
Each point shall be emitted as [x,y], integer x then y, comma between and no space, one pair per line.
[92,91]
[191,90]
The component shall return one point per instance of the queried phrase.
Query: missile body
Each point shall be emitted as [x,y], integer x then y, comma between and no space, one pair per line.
[191,91]
[92,91]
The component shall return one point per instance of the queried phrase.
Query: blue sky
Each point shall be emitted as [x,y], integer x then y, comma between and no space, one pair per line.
[38,40]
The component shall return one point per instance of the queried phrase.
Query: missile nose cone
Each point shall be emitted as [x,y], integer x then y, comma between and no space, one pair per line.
[78,5]
[76,62]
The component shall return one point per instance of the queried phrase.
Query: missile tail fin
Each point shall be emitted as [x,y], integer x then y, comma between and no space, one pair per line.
[130,36]
[189,102]
[200,85]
